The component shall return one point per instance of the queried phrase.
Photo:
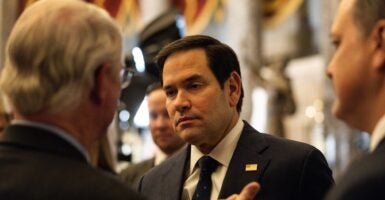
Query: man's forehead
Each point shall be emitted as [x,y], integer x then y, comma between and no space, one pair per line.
[342,17]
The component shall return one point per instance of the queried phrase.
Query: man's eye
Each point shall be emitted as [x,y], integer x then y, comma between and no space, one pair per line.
[170,93]
[195,86]
[152,115]
[165,115]
[336,43]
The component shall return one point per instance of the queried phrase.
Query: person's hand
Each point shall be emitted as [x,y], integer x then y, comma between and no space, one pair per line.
[248,192]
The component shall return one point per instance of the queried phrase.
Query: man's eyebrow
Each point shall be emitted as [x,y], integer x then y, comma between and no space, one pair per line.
[193,77]
[165,87]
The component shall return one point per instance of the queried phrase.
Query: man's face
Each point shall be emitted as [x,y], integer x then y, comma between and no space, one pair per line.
[198,107]
[349,67]
[160,124]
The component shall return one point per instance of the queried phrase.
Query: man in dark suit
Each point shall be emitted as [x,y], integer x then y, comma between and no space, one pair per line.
[202,80]
[357,70]
[61,77]
[162,134]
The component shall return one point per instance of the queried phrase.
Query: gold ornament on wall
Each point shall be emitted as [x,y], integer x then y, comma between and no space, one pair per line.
[275,12]
[126,12]
[199,13]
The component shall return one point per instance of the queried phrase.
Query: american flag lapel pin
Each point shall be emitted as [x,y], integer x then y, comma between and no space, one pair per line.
[251,167]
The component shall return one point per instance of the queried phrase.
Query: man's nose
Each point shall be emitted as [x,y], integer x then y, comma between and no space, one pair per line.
[161,122]
[182,102]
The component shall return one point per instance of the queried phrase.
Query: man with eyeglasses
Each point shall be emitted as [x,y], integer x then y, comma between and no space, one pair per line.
[61,77]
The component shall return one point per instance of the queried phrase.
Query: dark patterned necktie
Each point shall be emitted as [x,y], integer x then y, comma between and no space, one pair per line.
[207,166]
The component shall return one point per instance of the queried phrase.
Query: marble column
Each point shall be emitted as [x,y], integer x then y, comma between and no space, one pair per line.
[150,9]
[245,31]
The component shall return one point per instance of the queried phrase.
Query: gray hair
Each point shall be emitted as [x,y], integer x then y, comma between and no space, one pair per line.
[366,13]
[53,52]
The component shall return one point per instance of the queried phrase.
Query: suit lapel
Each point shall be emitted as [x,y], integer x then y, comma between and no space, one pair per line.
[249,151]
[380,147]
[175,174]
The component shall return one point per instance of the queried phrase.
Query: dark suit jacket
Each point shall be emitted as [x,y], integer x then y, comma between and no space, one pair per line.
[36,164]
[286,170]
[364,179]
[132,174]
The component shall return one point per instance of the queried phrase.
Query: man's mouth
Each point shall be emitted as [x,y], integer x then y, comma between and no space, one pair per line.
[185,119]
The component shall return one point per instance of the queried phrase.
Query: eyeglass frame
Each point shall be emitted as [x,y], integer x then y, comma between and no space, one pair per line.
[126,75]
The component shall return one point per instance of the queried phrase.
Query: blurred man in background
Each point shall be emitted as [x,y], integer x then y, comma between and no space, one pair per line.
[61,77]
[162,132]
[357,70]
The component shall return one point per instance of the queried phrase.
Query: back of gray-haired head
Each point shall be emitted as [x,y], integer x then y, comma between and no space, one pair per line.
[52,54]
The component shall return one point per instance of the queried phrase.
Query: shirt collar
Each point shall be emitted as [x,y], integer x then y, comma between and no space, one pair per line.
[57,131]
[378,134]
[160,156]
[223,149]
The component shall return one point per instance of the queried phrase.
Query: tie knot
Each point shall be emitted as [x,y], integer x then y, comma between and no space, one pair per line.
[207,164]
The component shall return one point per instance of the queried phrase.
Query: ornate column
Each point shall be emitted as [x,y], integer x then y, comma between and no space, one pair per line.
[150,9]
[245,31]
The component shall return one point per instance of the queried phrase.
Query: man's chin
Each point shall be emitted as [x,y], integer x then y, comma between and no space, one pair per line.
[190,136]
[336,110]
[343,115]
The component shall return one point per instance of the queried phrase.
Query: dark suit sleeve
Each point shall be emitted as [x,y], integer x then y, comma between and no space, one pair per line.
[129,176]
[132,174]
[363,189]
[316,178]
[364,179]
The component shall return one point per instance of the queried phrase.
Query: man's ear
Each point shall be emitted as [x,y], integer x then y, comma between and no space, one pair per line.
[235,86]
[378,34]
[98,91]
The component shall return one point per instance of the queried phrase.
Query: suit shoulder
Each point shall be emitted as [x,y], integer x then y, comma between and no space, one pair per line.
[140,166]
[253,136]
[364,179]
[61,178]
[110,187]
[166,164]
[132,174]
[287,143]
[171,166]
[368,168]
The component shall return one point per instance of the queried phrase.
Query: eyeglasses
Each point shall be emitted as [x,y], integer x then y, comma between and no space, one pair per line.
[126,75]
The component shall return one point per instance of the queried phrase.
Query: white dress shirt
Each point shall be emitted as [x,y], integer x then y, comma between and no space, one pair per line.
[222,153]
[160,156]
[378,134]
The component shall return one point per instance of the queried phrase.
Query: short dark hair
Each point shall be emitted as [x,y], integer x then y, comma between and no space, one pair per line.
[366,13]
[221,59]
[152,87]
